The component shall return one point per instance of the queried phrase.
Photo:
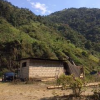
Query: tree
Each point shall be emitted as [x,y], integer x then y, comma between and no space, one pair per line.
[88,45]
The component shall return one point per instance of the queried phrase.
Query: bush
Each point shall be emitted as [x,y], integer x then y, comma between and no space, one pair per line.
[3,71]
[84,53]
[64,80]
[76,84]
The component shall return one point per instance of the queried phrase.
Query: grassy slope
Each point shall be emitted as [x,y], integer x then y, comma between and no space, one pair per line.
[10,33]
[56,44]
[46,40]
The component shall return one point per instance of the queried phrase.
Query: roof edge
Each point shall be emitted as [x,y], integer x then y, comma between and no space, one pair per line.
[40,59]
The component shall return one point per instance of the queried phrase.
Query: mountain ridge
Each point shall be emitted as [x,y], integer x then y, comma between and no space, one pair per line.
[23,34]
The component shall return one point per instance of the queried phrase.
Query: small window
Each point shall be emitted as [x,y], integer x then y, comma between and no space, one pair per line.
[24,64]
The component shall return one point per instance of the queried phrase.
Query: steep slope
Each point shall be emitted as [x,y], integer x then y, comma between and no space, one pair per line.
[85,21]
[9,33]
[23,34]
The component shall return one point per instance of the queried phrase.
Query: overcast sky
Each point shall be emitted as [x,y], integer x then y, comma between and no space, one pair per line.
[45,7]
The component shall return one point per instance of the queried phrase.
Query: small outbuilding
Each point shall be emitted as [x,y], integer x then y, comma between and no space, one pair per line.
[40,68]
[47,68]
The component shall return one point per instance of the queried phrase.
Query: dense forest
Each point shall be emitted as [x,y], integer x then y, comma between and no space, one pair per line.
[71,33]
[85,21]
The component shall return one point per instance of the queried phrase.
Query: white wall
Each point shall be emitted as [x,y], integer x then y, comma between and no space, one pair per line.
[24,71]
[41,68]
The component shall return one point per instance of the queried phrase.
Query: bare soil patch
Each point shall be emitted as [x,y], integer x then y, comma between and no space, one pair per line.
[35,91]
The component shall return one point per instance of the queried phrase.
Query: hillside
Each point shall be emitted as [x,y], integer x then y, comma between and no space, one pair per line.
[23,34]
[85,21]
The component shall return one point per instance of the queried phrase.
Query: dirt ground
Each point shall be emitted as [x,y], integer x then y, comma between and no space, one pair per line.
[35,91]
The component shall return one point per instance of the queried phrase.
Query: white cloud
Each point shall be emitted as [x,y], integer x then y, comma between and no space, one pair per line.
[40,7]
[28,0]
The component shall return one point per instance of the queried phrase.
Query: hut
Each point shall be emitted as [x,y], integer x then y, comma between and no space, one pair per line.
[47,68]
[40,68]
[71,68]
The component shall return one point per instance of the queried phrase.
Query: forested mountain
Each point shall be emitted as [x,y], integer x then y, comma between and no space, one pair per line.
[23,34]
[85,21]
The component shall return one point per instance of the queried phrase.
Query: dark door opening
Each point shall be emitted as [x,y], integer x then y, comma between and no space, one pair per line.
[66,68]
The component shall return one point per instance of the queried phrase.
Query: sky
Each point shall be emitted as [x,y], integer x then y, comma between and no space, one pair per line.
[46,7]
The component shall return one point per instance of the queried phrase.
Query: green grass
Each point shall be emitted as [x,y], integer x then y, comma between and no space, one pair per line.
[93,58]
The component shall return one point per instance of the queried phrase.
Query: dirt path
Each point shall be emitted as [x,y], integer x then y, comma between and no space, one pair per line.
[27,92]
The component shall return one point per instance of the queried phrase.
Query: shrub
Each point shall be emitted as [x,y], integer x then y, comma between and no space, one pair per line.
[76,84]
[64,80]
[84,53]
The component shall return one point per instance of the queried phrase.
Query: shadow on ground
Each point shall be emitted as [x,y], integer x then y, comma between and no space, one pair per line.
[70,97]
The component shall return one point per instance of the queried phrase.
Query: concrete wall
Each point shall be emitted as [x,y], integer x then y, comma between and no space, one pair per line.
[24,71]
[45,68]
[41,68]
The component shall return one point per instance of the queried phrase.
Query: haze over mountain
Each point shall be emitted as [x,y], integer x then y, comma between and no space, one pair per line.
[71,33]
